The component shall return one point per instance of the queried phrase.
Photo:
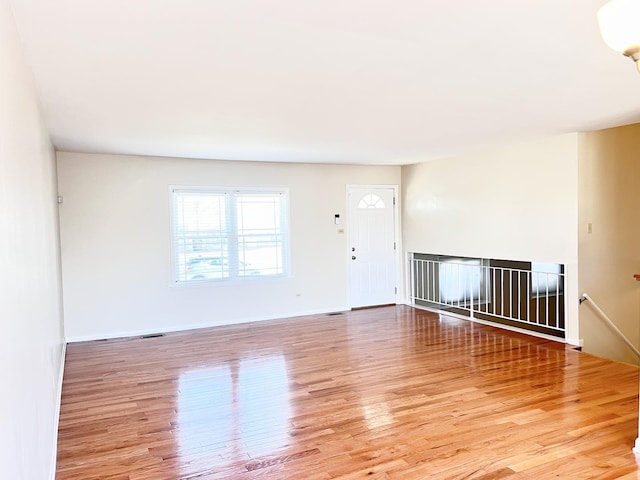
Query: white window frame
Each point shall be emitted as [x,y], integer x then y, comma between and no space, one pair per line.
[232,192]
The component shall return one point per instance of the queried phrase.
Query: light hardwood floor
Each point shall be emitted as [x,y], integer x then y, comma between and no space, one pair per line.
[387,393]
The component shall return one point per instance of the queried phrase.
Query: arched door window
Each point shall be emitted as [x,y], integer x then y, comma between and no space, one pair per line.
[371,200]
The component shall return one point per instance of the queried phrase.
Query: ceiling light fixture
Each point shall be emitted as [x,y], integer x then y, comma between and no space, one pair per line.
[619,22]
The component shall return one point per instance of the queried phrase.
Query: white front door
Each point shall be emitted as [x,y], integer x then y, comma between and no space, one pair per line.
[372,254]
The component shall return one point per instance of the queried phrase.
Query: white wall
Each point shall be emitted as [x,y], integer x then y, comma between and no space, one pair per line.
[517,202]
[609,255]
[116,243]
[32,336]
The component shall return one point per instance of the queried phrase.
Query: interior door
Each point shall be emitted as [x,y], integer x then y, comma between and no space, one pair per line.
[372,246]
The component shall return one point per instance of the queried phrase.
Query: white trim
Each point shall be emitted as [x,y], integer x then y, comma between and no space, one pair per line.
[182,328]
[56,420]
[408,279]
[399,267]
[576,342]
[491,324]
[636,449]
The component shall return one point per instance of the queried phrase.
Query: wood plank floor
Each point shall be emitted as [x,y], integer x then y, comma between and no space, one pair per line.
[387,393]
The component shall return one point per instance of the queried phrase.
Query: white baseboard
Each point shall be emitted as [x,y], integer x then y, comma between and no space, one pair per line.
[181,328]
[576,342]
[56,422]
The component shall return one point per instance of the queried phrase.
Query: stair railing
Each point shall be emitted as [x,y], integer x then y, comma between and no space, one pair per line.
[609,323]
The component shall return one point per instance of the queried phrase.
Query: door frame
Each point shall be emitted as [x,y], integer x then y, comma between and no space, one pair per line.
[396,235]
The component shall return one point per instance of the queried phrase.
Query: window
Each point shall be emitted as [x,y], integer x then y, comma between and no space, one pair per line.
[224,235]
[371,200]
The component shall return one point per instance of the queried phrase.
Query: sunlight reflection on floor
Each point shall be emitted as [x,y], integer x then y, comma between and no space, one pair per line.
[238,410]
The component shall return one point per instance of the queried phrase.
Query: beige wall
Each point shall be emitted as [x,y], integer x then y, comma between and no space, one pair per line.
[116,243]
[516,202]
[609,200]
[31,318]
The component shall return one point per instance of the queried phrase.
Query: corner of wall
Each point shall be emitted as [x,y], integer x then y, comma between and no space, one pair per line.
[54,453]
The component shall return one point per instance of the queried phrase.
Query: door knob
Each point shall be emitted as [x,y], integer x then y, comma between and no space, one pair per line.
[353,257]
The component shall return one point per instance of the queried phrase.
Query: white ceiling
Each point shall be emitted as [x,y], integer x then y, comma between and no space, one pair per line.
[339,81]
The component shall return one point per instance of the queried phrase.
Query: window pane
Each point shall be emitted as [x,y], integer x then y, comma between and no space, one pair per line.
[201,236]
[260,234]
